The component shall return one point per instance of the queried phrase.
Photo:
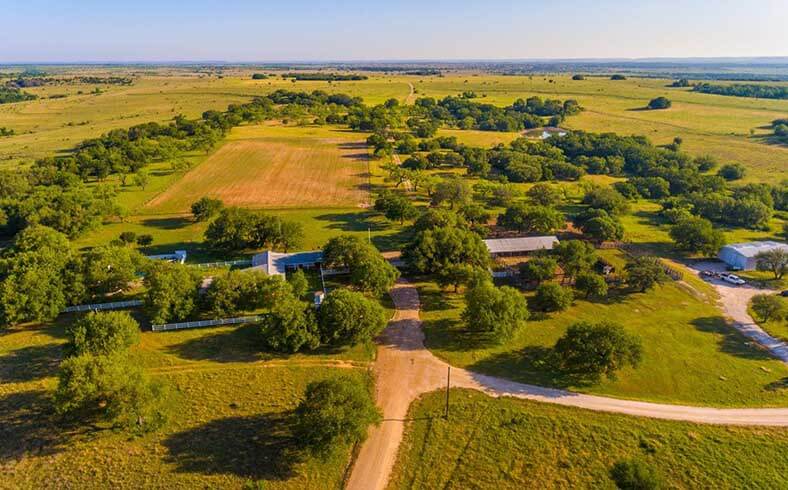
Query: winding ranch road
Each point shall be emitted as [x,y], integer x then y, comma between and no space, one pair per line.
[405,369]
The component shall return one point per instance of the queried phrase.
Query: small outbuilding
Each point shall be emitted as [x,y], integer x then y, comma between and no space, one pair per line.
[514,247]
[741,256]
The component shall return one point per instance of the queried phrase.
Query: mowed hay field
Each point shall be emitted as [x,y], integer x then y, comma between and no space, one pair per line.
[276,167]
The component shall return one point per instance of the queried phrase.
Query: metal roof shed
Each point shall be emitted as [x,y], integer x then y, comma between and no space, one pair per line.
[519,246]
[742,255]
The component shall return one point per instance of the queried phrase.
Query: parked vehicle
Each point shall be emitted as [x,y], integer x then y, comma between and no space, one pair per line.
[732,279]
[784,293]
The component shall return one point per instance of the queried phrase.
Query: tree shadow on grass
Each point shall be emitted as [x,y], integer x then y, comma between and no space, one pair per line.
[354,221]
[27,426]
[240,344]
[30,363]
[173,223]
[534,364]
[259,446]
[730,341]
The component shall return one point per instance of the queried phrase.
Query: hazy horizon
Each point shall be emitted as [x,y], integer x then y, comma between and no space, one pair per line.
[45,31]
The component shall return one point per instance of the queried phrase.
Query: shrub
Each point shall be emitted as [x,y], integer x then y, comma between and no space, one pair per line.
[634,474]
[590,350]
[112,390]
[694,234]
[171,292]
[591,284]
[335,411]
[538,269]
[290,326]
[299,283]
[497,311]
[774,261]
[732,171]
[349,318]
[769,307]
[206,208]
[103,333]
[659,103]
[645,272]
[553,297]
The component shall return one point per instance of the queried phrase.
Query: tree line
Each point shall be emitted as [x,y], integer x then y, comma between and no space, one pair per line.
[744,90]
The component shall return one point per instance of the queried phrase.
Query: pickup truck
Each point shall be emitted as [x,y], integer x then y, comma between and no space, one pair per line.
[732,279]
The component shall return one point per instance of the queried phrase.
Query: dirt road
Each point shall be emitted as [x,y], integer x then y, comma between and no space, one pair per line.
[734,301]
[405,369]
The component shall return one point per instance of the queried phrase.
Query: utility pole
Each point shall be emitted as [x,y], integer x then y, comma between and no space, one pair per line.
[448,384]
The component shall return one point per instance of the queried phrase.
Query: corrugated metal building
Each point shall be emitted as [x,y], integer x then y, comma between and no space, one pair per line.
[502,247]
[742,255]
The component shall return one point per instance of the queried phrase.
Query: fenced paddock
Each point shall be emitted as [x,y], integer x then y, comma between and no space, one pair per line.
[205,323]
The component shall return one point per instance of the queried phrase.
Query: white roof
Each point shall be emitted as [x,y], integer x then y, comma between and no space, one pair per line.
[275,263]
[522,244]
[751,249]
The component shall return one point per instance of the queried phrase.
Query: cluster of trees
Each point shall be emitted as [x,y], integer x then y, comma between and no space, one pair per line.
[681,82]
[345,318]
[99,384]
[259,76]
[442,239]
[237,229]
[462,112]
[744,90]
[4,131]
[369,271]
[680,181]
[9,95]
[330,77]
[42,273]
[52,198]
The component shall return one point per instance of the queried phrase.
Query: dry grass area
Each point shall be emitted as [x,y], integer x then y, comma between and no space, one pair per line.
[276,167]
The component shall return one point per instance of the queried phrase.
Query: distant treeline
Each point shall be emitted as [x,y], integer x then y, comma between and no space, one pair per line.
[25,82]
[331,77]
[400,69]
[744,90]
[8,95]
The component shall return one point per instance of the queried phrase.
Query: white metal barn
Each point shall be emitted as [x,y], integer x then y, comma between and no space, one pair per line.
[742,255]
[503,247]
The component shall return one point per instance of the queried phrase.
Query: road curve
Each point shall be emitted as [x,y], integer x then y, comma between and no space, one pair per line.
[405,369]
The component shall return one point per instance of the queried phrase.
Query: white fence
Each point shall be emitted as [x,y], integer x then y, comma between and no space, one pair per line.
[205,323]
[117,305]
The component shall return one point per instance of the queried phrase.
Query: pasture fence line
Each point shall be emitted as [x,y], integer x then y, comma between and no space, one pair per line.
[205,323]
[117,305]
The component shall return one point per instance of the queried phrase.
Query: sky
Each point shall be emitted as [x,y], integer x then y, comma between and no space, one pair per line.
[356,30]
